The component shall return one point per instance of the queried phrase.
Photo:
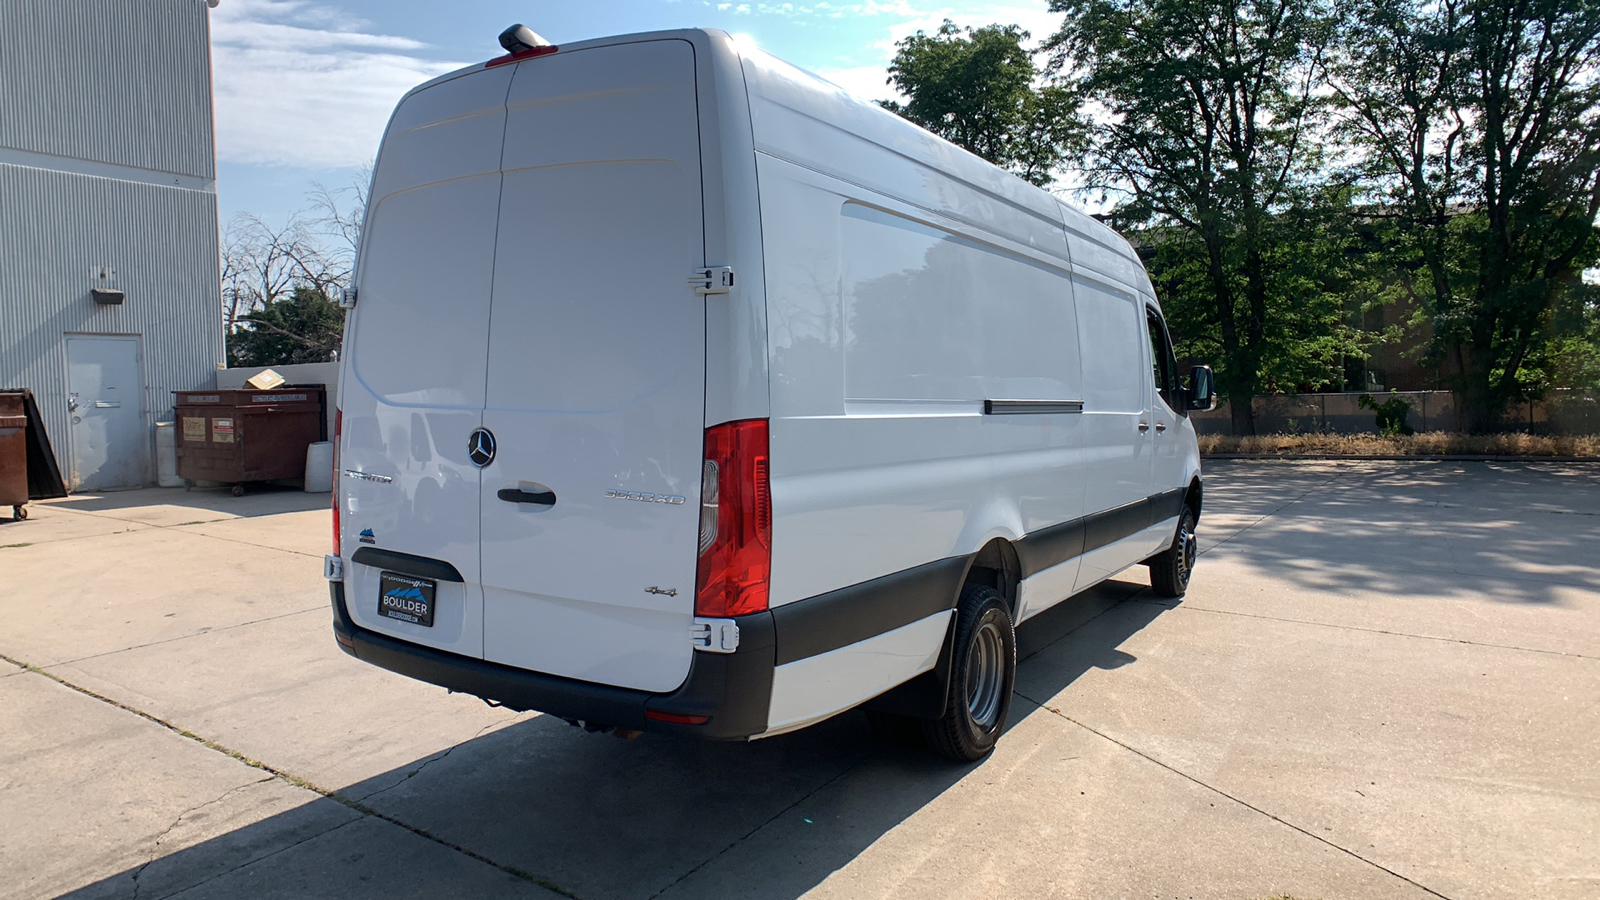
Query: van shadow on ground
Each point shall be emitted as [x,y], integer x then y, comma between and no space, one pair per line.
[599,817]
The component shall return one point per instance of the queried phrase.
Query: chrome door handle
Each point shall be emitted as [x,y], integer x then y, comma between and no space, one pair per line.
[1161,426]
[1144,426]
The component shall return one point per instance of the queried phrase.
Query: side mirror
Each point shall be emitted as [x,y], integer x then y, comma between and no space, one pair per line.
[1202,389]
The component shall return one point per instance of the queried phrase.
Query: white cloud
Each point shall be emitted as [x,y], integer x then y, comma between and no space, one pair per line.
[298,83]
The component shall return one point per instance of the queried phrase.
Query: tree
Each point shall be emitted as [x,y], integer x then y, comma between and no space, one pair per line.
[1478,123]
[976,89]
[277,283]
[303,327]
[261,264]
[1202,123]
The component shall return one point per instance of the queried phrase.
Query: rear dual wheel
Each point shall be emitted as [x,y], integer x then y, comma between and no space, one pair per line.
[983,673]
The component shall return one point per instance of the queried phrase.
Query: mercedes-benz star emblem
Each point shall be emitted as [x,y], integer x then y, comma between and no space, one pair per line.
[480,446]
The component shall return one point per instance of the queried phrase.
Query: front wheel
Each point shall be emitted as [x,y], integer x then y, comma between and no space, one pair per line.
[983,672]
[1170,569]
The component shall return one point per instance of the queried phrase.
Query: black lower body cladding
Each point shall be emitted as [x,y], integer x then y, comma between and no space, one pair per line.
[732,690]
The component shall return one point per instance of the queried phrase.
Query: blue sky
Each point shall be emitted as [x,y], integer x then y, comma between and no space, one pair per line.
[303,87]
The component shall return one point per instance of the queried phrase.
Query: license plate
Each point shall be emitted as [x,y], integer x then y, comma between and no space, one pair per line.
[406,598]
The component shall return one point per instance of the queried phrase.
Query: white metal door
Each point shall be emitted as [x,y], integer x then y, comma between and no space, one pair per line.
[1117,428]
[596,370]
[413,394]
[106,403]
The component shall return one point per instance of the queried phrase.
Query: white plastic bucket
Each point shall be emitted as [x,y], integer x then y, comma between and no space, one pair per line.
[167,456]
[319,467]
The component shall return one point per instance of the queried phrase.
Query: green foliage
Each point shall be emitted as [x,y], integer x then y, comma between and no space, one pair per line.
[1202,127]
[304,327]
[1476,126]
[976,89]
[1390,414]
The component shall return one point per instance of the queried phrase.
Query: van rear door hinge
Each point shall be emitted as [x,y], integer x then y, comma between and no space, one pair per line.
[718,280]
[716,635]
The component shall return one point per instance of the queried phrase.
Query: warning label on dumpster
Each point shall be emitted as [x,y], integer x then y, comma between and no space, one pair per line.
[194,428]
[222,431]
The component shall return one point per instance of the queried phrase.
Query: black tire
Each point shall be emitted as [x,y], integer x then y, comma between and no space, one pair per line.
[19,512]
[983,672]
[238,490]
[1170,569]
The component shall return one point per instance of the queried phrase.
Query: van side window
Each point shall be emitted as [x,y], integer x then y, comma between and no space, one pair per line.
[1163,364]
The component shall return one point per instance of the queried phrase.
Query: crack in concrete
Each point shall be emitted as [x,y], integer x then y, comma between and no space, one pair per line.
[1404,634]
[155,846]
[250,862]
[1230,797]
[759,828]
[437,757]
[292,779]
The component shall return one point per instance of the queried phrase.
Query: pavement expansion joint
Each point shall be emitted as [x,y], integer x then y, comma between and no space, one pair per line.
[1056,711]
[182,527]
[320,607]
[292,779]
[1340,627]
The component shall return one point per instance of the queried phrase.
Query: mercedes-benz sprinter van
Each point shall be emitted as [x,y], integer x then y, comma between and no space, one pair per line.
[682,391]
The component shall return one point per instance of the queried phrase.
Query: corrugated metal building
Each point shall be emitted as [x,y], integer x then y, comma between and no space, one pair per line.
[108,223]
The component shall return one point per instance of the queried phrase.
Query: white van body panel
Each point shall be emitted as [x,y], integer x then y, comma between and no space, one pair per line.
[596,368]
[808,691]
[954,367]
[413,380]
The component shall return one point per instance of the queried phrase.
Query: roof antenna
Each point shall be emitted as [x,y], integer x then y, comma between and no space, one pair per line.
[520,38]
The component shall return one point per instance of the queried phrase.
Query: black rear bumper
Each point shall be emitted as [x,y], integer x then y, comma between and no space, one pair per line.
[733,690]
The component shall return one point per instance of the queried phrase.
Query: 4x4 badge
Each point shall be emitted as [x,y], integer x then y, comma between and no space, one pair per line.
[480,446]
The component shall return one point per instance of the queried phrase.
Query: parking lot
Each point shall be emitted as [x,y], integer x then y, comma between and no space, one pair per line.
[1384,682]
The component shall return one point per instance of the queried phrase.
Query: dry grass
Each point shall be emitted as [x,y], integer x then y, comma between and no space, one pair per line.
[1433,443]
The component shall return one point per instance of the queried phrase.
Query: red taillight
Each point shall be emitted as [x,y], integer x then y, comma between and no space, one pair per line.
[675,718]
[338,429]
[736,526]
[521,55]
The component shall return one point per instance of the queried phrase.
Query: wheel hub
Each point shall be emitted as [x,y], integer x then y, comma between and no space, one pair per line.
[985,675]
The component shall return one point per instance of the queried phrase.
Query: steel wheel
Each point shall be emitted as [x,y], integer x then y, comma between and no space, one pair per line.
[1170,569]
[985,675]
[983,667]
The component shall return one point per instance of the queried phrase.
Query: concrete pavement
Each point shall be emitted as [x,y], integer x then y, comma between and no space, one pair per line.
[1383,683]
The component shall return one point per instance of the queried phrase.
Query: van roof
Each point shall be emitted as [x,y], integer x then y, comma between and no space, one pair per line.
[875,124]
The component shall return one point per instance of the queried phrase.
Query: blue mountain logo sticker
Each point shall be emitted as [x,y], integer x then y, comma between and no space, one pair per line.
[407,593]
[367,536]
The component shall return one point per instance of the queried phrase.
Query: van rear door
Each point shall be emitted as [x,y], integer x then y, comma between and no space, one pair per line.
[596,368]
[413,390]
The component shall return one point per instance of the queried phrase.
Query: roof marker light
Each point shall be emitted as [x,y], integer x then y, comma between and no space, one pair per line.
[520,42]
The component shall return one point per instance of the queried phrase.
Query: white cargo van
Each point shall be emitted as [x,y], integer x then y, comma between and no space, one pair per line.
[683,391]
